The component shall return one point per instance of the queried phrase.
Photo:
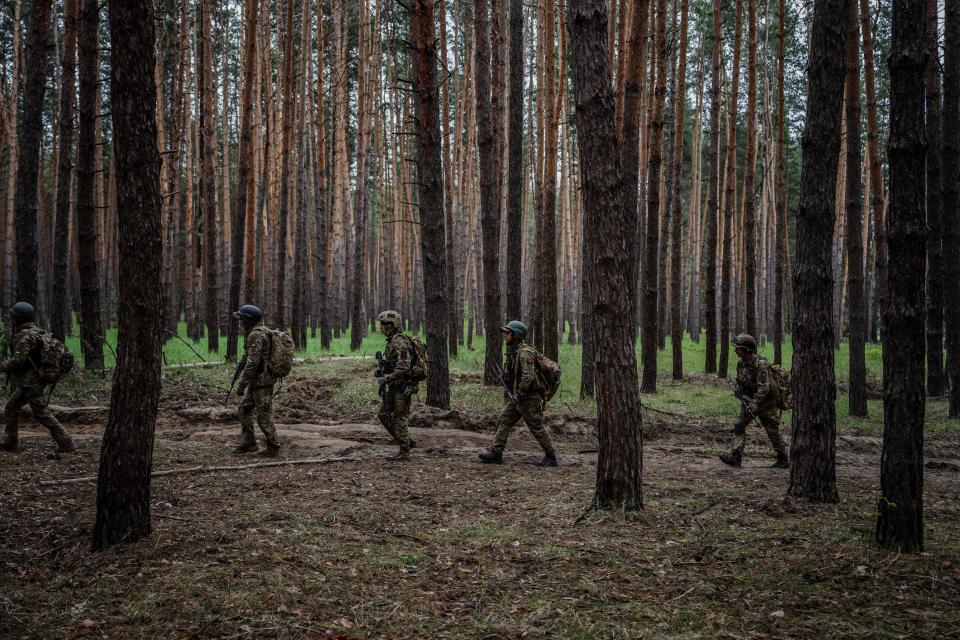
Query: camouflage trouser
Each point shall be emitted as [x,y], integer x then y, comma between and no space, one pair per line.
[770,422]
[257,403]
[394,415]
[531,411]
[34,397]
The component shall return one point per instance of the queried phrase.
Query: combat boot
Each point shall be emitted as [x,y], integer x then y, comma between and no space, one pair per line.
[401,455]
[66,446]
[783,462]
[734,458]
[270,451]
[245,447]
[549,460]
[494,456]
[10,444]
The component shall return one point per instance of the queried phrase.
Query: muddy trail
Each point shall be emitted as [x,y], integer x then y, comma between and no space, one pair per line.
[310,426]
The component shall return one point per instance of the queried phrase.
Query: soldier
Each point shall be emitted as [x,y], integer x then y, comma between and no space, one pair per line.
[525,398]
[255,383]
[758,387]
[396,386]
[23,366]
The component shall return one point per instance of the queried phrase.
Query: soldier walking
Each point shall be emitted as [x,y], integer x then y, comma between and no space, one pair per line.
[24,368]
[396,385]
[255,383]
[524,400]
[755,382]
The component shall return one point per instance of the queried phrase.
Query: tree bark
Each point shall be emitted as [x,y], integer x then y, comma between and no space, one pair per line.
[89,158]
[208,182]
[284,193]
[713,195]
[430,181]
[749,172]
[857,322]
[951,199]
[780,275]
[489,196]
[60,315]
[619,421]
[934,311]
[515,164]
[813,448]
[126,457]
[900,506]
[28,142]
[676,267]
[648,337]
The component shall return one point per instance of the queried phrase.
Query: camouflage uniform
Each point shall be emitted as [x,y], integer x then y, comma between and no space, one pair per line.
[756,382]
[521,375]
[255,387]
[398,389]
[29,390]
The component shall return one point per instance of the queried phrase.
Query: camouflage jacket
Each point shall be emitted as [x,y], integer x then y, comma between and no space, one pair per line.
[20,366]
[756,381]
[398,357]
[256,353]
[521,370]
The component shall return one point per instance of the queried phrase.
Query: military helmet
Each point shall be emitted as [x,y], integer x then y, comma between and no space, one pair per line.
[249,313]
[389,317]
[746,341]
[517,328]
[23,312]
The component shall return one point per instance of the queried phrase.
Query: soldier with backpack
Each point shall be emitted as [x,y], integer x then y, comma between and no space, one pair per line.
[38,360]
[760,396]
[267,357]
[530,379]
[404,366]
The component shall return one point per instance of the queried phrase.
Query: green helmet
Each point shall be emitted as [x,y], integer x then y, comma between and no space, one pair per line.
[746,341]
[23,312]
[390,317]
[517,328]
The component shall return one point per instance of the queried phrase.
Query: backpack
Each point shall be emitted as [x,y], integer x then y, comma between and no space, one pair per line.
[280,361]
[51,358]
[548,372]
[781,378]
[419,362]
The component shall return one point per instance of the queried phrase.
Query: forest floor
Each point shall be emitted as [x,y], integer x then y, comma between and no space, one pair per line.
[444,547]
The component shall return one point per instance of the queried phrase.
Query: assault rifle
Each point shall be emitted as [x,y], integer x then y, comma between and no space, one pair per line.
[506,388]
[746,401]
[381,372]
[236,376]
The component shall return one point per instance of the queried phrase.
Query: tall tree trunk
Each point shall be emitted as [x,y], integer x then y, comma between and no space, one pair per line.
[857,323]
[284,193]
[28,143]
[430,181]
[208,182]
[547,232]
[900,506]
[813,473]
[126,457]
[648,337]
[951,199]
[619,421]
[729,198]
[245,178]
[320,194]
[60,316]
[301,280]
[713,195]
[749,171]
[515,163]
[489,196]
[89,159]
[676,269]
[780,275]
[935,374]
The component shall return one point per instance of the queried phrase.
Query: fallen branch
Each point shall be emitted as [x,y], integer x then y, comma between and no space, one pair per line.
[209,469]
[666,413]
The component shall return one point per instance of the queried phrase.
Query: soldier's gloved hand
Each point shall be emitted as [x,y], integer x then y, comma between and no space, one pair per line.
[752,407]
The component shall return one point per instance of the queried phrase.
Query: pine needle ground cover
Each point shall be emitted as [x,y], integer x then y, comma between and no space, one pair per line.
[446,547]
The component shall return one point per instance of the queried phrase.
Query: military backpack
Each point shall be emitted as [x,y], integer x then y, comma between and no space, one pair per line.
[548,372]
[419,361]
[781,377]
[51,358]
[280,361]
